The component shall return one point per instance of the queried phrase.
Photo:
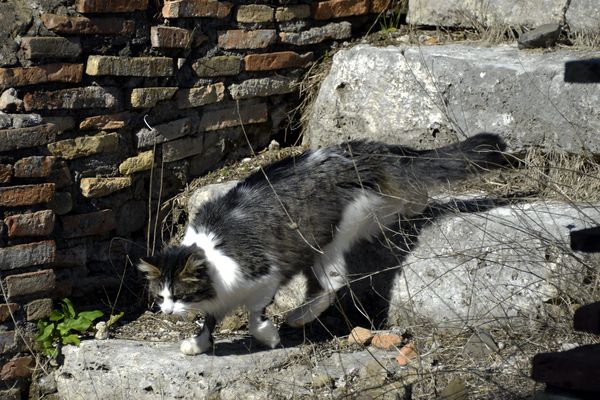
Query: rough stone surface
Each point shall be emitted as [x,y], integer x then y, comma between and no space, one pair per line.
[141,162]
[108,6]
[542,36]
[21,76]
[27,255]
[6,172]
[129,66]
[6,309]
[493,13]
[64,24]
[182,148]
[106,122]
[262,87]
[50,47]
[30,283]
[170,37]
[218,66]
[278,60]
[38,309]
[582,16]
[415,96]
[10,101]
[25,120]
[34,167]
[386,341]
[25,195]
[22,138]
[39,223]
[473,269]
[292,12]
[85,146]
[75,98]
[99,187]
[230,116]
[94,223]
[18,367]
[196,8]
[339,8]
[360,335]
[167,131]
[254,13]
[150,96]
[242,39]
[199,96]
[333,31]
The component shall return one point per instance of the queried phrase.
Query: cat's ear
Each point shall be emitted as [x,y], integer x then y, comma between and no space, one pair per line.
[146,265]
[192,268]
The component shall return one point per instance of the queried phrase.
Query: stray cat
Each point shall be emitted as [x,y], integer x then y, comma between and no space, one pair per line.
[299,215]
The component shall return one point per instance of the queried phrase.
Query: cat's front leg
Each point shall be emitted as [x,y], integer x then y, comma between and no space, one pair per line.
[263,329]
[201,342]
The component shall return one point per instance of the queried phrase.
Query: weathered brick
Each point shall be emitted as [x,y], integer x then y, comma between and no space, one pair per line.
[22,138]
[196,8]
[199,96]
[94,223]
[38,309]
[75,98]
[242,39]
[6,309]
[27,255]
[22,76]
[339,8]
[34,167]
[141,162]
[99,187]
[30,283]
[129,66]
[254,13]
[7,342]
[218,66]
[262,87]
[167,131]
[289,13]
[170,37]
[279,60]
[18,367]
[25,195]
[50,47]
[61,123]
[379,6]
[227,117]
[108,6]
[333,31]
[6,171]
[182,148]
[106,122]
[150,96]
[85,146]
[69,25]
[40,223]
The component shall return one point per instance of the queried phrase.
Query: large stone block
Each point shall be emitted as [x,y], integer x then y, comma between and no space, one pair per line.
[89,224]
[30,283]
[50,47]
[75,98]
[199,96]
[582,16]
[218,66]
[254,13]
[278,60]
[339,8]
[332,31]
[25,195]
[85,146]
[170,37]
[232,115]
[150,96]
[69,25]
[99,187]
[129,66]
[262,87]
[27,255]
[242,39]
[431,95]
[167,131]
[22,76]
[196,8]
[22,138]
[108,6]
[39,223]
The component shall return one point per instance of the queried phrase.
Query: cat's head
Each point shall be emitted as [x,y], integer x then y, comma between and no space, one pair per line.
[178,278]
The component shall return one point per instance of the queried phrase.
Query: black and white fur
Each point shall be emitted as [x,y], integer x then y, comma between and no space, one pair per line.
[300,215]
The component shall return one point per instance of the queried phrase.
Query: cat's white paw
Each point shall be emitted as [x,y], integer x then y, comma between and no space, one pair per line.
[195,345]
[266,333]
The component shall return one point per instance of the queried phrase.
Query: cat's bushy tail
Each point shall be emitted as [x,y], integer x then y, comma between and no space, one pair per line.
[482,152]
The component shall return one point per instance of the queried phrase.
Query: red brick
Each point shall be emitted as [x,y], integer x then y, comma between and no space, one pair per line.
[271,61]
[170,37]
[25,195]
[22,76]
[27,255]
[30,283]
[6,309]
[339,8]
[228,117]
[50,47]
[64,24]
[18,367]
[107,6]
[39,223]
[242,39]
[34,167]
[89,224]
[6,171]
[75,98]
[196,8]
[107,122]
[22,138]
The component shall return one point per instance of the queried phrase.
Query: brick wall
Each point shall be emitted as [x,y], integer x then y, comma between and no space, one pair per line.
[75,155]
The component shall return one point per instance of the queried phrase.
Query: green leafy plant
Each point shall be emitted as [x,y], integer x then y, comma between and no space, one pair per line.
[63,327]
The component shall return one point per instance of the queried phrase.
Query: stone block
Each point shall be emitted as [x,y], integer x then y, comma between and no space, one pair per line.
[99,187]
[89,224]
[6,309]
[339,8]
[39,47]
[106,122]
[292,12]
[129,66]
[34,167]
[75,98]
[141,162]
[167,131]
[150,96]
[27,255]
[182,148]
[22,138]
[218,66]
[254,13]
[40,223]
[196,8]
[30,283]
[278,60]
[582,16]
[25,120]
[6,171]
[332,31]
[170,37]
[262,87]
[38,309]
[23,76]
[230,116]
[242,39]
[17,367]
[199,96]
[70,25]
[25,195]
[85,146]
[110,6]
